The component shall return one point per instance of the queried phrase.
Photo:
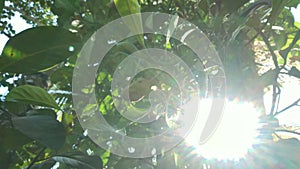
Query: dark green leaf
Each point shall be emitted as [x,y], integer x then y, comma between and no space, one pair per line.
[17,108]
[292,3]
[44,165]
[1,5]
[42,128]
[62,76]
[294,72]
[13,138]
[65,7]
[32,95]
[4,157]
[125,47]
[36,49]
[268,78]
[80,161]
[233,5]
[47,112]
[127,163]
[277,6]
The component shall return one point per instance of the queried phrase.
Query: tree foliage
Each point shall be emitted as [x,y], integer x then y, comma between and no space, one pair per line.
[38,124]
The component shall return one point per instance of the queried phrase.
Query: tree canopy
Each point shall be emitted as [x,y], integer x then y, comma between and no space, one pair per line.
[257,42]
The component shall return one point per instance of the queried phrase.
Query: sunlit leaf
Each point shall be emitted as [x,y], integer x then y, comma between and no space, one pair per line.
[284,52]
[32,95]
[80,161]
[297,24]
[42,128]
[105,157]
[36,49]
[172,26]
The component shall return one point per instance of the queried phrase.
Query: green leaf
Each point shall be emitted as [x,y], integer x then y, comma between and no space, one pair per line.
[292,3]
[128,7]
[36,49]
[297,24]
[62,76]
[268,78]
[80,161]
[284,52]
[12,139]
[33,95]
[280,39]
[277,7]
[133,163]
[172,26]
[1,5]
[44,165]
[294,72]
[18,108]
[36,112]
[233,5]
[126,47]
[42,128]
[65,7]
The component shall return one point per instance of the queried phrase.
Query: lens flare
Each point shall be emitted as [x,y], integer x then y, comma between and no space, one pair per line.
[234,136]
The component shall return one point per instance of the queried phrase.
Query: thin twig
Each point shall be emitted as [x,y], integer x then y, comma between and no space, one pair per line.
[266,40]
[277,136]
[288,131]
[36,158]
[274,58]
[7,112]
[275,97]
[252,39]
[278,99]
[6,34]
[24,14]
[288,107]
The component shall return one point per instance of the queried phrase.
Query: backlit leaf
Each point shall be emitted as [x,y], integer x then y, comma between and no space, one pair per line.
[36,49]
[128,7]
[32,95]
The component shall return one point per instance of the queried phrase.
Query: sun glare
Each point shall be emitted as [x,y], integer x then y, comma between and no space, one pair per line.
[234,136]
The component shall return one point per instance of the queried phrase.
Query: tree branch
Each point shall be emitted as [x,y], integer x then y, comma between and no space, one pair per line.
[36,158]
[288,131]
[24,14]
[6,34]
[288,107]
[266,40]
